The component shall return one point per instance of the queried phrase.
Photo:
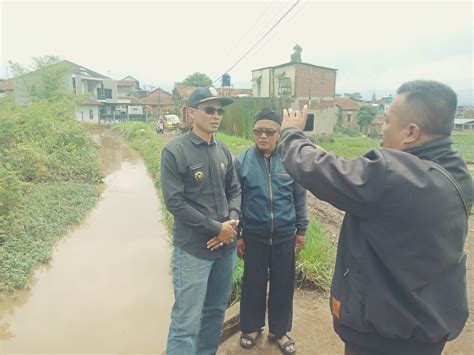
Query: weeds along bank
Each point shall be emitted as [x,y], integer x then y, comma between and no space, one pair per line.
[48,177]
[314,264]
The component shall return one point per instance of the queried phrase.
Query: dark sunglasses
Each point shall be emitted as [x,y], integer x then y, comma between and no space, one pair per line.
[209,110]
[268,132]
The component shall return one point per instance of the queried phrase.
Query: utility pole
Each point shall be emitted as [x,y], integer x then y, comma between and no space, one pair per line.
[159,102]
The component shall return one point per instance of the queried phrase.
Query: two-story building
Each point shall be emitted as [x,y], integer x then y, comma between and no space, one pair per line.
[304,84]
[103,103]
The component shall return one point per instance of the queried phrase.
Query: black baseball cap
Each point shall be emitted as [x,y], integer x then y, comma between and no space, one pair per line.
[204,94]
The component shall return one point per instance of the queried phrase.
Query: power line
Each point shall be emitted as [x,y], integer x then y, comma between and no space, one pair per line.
[276,32]
[257,21]
[261,39]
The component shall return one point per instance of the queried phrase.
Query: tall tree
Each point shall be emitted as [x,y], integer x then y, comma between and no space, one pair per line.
[296,56]
[365,116]
[44,79]
[197,79]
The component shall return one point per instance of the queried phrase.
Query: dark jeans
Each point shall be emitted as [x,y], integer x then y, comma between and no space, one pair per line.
[263,263]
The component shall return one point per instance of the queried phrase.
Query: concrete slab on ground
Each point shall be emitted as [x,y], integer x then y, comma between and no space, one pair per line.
[312,330]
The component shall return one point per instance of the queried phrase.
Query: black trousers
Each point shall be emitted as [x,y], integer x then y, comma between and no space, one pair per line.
[263,263]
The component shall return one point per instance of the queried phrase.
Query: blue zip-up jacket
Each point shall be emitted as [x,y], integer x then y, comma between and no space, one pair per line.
[273,205]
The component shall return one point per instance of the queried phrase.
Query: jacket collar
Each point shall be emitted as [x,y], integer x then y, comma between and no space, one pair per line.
[274,153]
[198,140]
[433,149]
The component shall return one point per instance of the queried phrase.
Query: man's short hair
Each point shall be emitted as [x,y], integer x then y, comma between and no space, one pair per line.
[433,105]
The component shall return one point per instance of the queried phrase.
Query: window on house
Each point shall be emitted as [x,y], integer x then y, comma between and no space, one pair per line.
[284,87]
[91,114]
[108,93]
[349,117]
[74,88]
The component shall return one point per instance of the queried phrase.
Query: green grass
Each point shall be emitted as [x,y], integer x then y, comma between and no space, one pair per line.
[350,147]
[235,144]
[464,143]
[46,211]
[315,263]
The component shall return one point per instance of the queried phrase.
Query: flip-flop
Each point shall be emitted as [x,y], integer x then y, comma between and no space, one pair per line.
[248,337]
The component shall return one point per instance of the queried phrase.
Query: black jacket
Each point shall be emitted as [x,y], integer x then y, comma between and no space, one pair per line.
[201,190]
[400,268]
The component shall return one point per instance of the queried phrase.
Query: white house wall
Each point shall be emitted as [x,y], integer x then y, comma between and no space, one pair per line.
[111,84]
[83,114]
[135,110]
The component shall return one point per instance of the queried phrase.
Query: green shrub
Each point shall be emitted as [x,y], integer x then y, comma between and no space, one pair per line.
[48,168]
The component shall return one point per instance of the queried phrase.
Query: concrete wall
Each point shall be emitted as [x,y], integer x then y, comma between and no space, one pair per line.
[135,110]
[265,77]
[83,114]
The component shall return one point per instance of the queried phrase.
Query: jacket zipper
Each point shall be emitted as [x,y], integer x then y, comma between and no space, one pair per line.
[269,167]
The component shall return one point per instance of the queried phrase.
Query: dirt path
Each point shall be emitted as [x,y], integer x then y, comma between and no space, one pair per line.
[312,323]
[108,287]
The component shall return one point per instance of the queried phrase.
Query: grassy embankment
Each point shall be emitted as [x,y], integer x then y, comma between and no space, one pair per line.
[48,173]
[315,262]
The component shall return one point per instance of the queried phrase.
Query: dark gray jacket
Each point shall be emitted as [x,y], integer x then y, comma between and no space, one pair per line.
[400,268]
[201,190]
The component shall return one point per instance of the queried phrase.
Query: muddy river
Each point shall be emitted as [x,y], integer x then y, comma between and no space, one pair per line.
[108,286]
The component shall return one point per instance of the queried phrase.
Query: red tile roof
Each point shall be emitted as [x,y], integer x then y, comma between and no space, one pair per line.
[163,92]
[346,103]
[316,104]
[184,91]
[157,99]
[6,85]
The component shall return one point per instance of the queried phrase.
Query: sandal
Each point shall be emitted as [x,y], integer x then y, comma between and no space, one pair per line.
[253,341]
[283,347]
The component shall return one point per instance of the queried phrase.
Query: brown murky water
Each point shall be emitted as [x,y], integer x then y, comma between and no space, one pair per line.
[108,286]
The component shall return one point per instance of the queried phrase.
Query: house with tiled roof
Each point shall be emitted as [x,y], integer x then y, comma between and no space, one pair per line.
[158,101]
[346,111]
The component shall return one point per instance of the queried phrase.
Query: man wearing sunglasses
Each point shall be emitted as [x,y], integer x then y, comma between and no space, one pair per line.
[202,191]
[274,221]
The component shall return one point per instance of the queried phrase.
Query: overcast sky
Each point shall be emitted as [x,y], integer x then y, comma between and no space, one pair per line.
[374,45]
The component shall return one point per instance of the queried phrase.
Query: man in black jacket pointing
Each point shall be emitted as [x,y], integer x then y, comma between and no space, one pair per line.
[399,284]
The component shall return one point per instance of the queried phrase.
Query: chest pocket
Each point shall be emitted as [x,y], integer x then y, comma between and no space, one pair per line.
[196,178]
[197,173]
